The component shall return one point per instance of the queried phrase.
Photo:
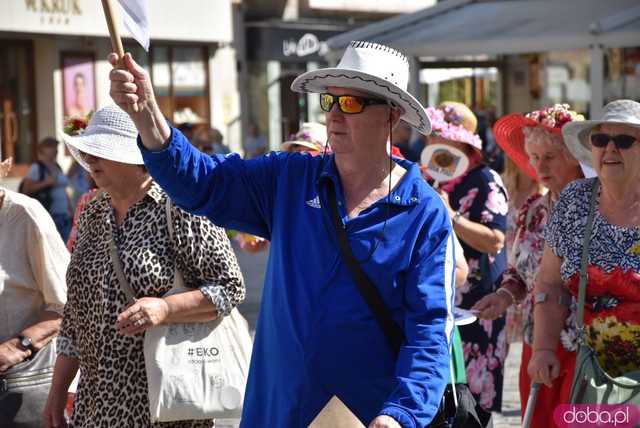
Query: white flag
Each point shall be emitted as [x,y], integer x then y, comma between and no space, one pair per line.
[136,20]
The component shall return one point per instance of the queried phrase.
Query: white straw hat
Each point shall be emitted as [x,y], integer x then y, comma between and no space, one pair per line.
[576,134]
[373,68]
[110,135]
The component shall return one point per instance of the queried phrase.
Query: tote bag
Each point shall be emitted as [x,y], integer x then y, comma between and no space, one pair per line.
[591,384]
[194,370]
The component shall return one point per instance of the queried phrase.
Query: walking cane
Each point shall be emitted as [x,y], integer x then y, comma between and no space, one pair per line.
[531,405]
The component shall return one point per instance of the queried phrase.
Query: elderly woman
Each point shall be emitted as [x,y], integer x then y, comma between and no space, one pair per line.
[477,205]
[612,305]
[317,337]
[534,143]
[33,262]
[102,335]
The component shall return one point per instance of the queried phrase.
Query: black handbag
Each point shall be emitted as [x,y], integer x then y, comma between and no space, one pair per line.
[460,411]
[24,389]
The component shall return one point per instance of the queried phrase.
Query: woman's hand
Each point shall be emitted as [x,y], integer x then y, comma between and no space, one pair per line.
[54,411]
[445,199]
[11,354]
[544,366]
[384,421]
[141,315]
[492,306]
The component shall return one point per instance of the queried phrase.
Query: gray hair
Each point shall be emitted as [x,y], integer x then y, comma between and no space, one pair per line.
[538,135]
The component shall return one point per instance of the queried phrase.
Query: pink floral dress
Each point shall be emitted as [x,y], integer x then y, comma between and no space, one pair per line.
[481,197]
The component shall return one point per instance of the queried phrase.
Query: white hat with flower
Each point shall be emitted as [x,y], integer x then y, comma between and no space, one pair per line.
[109,135]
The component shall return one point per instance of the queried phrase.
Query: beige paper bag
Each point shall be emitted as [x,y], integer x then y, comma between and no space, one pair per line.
[336,415]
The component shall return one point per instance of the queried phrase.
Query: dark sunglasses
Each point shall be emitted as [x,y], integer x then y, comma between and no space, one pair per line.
[621,141]
[349,104]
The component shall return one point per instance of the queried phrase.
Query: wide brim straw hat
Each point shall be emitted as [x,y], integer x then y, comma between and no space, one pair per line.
[311,135]
[509,135]
[576,134]
[444,127]
[465,115]
[109,135]
[373,68]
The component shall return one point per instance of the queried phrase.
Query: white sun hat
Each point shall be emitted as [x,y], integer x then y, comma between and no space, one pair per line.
[110,135]
[576,134]
[312,135]
[373,68]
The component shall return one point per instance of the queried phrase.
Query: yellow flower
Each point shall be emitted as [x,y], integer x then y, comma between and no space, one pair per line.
[635,250]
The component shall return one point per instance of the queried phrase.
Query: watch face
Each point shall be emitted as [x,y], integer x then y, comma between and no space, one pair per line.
[25,342]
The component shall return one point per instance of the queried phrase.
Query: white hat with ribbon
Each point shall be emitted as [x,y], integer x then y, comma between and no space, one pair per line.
[576,134]
[372,68]
[110,135]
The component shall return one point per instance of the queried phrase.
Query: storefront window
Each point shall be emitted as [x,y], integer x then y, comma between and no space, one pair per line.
[17,120]
[565,79]
[180,79]
[622,74]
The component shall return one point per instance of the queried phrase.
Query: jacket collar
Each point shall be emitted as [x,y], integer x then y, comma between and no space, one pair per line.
[410,191]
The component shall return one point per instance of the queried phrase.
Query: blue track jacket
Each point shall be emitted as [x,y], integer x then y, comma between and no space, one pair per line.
[316,336]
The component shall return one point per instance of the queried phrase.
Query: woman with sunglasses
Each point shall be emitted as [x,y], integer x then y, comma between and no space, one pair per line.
[612,305]
[316,336]
[534,143]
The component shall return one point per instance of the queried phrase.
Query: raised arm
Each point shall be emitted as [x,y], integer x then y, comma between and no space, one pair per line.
[231,192]
[132,91]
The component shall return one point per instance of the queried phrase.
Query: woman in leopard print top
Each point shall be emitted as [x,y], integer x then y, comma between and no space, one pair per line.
[101,334]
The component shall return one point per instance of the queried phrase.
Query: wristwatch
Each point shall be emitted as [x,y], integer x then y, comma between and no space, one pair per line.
[27,343]
[542,297]
[456,217]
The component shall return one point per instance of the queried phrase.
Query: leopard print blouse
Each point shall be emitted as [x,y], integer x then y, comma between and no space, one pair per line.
[112,391]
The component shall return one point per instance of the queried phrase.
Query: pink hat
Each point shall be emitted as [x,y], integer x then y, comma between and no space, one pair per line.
[443,127]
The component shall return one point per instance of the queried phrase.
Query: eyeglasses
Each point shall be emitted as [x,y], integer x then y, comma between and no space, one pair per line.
[349,104]
[621,141]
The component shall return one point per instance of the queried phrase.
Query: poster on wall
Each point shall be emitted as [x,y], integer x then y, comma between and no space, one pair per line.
[78,83]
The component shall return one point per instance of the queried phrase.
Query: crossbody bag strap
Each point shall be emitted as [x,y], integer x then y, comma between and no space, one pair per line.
[167,212]
[367,289]
[584,260]
[117,266]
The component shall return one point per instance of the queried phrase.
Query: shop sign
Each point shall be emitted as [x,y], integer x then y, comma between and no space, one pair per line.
[308,44]
[288,44]
[54,11]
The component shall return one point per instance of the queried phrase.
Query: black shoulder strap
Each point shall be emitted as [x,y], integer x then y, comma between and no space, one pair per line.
[42,170]
[367,289]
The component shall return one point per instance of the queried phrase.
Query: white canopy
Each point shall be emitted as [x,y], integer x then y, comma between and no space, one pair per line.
[474,27]
[501,27]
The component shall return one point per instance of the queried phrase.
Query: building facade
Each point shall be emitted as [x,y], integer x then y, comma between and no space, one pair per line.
[53,66]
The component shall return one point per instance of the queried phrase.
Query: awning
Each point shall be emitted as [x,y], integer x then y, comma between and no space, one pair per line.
[493,27]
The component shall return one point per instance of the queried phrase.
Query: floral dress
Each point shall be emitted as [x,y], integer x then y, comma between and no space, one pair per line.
[112,391]
[524,262]
[612,305]
[481,197]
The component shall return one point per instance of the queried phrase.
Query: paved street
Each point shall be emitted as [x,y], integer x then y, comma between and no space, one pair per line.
[253,266]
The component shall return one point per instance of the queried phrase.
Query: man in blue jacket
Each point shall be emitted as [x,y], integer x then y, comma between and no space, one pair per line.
[316,336]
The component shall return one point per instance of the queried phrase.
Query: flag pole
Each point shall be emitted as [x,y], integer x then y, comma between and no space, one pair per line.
[116,41]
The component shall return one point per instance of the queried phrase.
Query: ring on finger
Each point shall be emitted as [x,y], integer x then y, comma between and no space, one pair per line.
[140,322]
